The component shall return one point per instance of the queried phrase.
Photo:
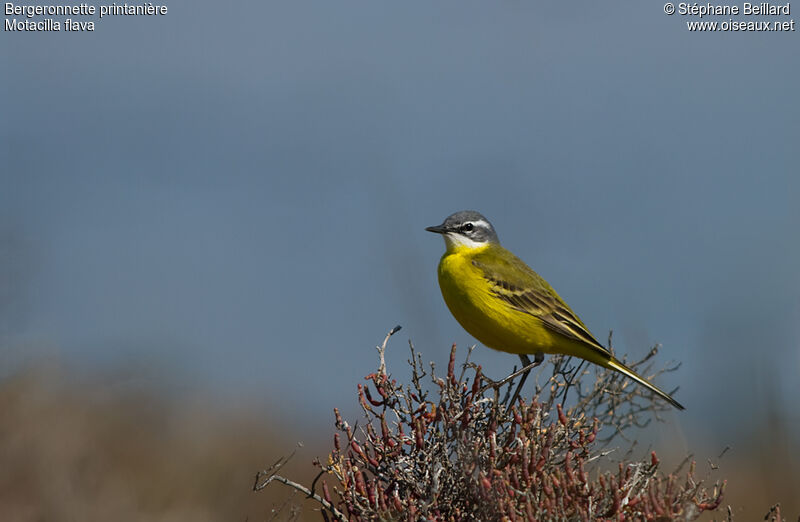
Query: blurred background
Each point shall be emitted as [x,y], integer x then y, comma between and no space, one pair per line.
[209,219]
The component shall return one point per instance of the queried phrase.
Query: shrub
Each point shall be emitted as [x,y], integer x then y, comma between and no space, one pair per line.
[465,449]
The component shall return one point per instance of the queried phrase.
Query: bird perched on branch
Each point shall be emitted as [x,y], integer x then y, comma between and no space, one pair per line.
[507,306]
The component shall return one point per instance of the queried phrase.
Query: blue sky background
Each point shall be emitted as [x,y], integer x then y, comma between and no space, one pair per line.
[235,197]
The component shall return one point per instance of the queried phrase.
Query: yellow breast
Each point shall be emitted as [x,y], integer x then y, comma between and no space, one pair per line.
[490,320]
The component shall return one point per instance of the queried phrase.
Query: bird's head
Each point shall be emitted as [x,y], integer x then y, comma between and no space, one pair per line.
[466,229]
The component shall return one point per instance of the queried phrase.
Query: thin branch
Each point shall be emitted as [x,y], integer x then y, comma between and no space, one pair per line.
[299,487]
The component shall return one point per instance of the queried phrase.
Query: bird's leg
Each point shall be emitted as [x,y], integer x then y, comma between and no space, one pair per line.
[527,366]
[517,373]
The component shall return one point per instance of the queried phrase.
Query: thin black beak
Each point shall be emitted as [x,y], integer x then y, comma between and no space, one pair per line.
[439,229]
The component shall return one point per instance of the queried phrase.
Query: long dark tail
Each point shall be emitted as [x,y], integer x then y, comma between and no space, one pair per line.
[615,364]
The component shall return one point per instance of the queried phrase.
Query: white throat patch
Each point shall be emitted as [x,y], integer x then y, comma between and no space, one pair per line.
[454,240]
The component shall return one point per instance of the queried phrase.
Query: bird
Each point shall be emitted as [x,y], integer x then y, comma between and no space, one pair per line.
[507,306]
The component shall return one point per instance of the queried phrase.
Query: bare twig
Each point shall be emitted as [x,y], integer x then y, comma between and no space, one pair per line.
[299,487]
[382,349]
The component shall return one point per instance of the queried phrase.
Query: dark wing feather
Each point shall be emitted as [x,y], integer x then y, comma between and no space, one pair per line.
[515,283]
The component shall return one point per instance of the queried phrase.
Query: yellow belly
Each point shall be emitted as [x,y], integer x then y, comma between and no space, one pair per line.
[490,320]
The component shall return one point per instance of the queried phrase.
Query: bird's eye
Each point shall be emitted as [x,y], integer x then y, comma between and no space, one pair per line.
[467,227]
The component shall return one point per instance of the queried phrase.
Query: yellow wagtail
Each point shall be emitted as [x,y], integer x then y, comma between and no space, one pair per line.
[507,306]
